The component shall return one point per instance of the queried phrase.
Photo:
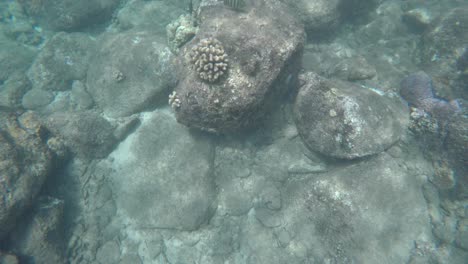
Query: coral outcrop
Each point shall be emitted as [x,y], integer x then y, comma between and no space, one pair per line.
[227,96]
[209,59]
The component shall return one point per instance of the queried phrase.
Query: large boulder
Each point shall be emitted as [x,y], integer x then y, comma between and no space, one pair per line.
[25,162]
[130,72]
[261,47]
[342,120]
[167,172]
[69,15]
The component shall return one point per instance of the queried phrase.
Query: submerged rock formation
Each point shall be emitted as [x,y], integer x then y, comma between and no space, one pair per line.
[343,120]
[262,65]
[25,162]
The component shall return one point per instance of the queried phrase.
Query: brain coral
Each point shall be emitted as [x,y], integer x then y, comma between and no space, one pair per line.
[209,59]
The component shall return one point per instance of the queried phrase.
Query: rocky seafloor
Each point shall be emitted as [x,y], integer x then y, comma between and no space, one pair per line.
[266,131]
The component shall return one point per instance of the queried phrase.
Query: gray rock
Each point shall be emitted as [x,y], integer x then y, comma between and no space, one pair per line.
[17,25]
[320,16]
[64,58]
[37,98]
[450,34]
[21,142]
[79,97]
[14,58]
[12,91]
[87,134]
[457,146]
[369,212]
[418,19]
[69,15]
[108,253]
[258,59]
[6,258]
[130,72]
[150,14]
[40,236]
[442,48]
[171,176]
[352,69]
[342,120]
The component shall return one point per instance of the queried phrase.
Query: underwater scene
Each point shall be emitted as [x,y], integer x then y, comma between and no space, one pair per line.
[233,131]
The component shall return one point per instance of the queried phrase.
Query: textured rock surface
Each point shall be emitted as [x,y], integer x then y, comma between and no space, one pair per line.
[40,236]
[69,15]
[257,59]
[25,162]
[130,72]
[168,172]
[13,89]
[87,134]
[348,215]
[343,120]
[63,59]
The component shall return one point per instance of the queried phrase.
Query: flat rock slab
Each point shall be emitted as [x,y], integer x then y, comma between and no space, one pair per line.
[130,72]
[167,173]
[369,212]
[263,44]
[342,120]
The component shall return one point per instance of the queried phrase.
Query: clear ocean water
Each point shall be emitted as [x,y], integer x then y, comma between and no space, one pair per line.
[233,131]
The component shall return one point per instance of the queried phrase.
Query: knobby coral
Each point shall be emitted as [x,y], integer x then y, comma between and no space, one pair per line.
[209,59]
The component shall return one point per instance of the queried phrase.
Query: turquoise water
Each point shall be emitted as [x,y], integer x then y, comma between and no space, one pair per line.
[254,131]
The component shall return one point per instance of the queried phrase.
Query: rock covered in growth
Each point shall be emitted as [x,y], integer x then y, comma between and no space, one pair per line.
[180,32]
[63,58]
[25,161]
[130,72]
[87,134]
[343,120]
[262,65]
[41,234]
[209,59]
[13,91]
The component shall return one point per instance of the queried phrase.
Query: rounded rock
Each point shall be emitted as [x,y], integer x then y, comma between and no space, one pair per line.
[341,120]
